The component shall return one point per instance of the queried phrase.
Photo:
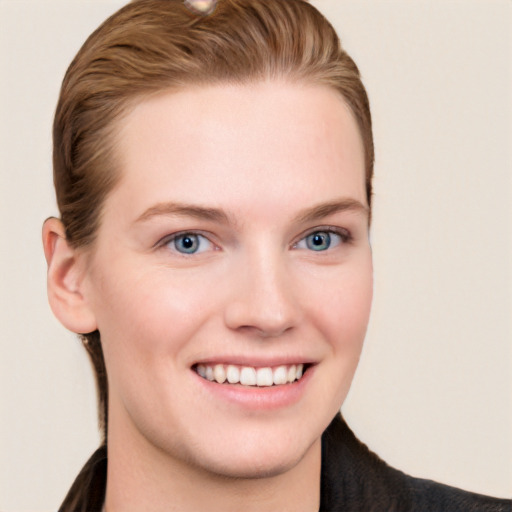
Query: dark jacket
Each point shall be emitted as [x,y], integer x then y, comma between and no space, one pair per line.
[353,479]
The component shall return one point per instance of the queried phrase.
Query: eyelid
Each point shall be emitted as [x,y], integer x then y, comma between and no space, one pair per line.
[344,233]
[167,239]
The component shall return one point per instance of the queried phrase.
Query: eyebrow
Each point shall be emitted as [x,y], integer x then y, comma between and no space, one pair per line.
[330,208]
[185,210]
[217,215]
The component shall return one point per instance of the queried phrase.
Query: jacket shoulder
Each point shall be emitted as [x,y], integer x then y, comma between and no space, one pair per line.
[356,479]
[429,495]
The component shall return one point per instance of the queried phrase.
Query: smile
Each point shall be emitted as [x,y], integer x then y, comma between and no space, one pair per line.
[249,375]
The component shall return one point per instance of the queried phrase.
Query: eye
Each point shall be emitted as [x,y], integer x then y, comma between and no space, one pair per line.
[322,240]
[189,243]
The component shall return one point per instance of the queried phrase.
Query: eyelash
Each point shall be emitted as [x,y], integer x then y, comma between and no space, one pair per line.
[344,235]
[168,240]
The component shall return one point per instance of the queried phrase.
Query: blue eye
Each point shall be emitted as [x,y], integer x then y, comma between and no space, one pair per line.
[318,241]
[186,243]
[323,240]
[190,243]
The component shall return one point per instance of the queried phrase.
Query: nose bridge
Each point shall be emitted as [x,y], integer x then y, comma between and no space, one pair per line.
[263,299]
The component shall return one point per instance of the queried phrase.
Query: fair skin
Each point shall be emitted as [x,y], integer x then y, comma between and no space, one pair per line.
[264,184]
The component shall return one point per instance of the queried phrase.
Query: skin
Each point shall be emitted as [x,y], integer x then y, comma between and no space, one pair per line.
[260,159]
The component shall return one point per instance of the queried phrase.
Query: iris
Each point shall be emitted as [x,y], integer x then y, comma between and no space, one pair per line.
[187,243]
[318,241]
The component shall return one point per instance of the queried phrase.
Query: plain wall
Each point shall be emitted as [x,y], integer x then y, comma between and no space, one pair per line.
[433,394]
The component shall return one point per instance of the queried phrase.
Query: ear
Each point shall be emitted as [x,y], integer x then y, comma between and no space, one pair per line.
[66,271]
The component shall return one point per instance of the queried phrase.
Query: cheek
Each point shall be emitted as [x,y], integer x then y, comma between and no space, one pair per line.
[339,307]
[143,316]
[342,304]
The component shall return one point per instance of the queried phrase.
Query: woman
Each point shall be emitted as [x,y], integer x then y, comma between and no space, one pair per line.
[213,168]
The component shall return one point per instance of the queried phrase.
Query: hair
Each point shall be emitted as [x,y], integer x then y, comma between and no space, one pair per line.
[150,46]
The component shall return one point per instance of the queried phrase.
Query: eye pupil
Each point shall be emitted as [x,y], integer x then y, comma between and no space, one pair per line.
[188,243]
[319,241]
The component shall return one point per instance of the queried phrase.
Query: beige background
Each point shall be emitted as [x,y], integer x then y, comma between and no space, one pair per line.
[433,394]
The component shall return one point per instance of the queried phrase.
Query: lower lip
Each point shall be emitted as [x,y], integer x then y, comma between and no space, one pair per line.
[259,398]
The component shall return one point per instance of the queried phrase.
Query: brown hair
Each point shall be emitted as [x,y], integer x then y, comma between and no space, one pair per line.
[153,45]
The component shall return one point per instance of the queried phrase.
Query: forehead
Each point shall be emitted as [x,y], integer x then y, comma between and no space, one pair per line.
[268,139]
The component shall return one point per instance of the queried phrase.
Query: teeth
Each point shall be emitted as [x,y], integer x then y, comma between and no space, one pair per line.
[233,374]
[292,372]
[209,373]
[219,373]
[280,375]
[264,377]
[250,376]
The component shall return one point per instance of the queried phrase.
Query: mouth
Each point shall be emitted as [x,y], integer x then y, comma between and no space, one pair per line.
[251,376]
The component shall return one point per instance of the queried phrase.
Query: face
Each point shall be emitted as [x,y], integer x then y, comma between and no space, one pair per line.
[231,278]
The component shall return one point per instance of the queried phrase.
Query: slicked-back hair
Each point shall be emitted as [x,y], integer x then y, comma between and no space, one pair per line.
[149,46]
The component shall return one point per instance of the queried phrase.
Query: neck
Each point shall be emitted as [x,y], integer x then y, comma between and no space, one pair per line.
[143,477]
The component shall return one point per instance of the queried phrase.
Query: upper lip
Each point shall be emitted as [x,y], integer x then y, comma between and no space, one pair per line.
[257,362]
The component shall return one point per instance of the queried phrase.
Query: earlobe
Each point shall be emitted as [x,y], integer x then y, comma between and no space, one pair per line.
[65,280]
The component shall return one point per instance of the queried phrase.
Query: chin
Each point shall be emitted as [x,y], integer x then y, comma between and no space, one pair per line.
[257,456]
[253,466]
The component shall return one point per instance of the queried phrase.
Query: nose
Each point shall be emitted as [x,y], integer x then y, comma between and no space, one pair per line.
[262,300]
